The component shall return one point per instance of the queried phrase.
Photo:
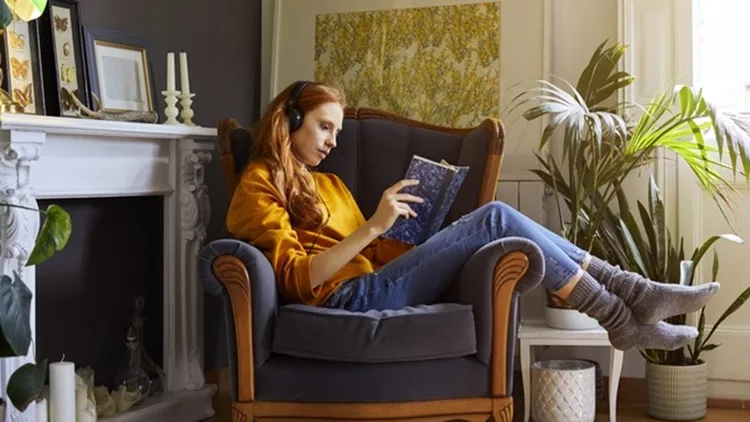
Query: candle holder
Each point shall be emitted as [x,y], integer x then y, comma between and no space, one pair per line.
[170,98]
[186,100]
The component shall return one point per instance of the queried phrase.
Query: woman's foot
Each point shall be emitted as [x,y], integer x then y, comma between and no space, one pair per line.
[651,301]
[625,332]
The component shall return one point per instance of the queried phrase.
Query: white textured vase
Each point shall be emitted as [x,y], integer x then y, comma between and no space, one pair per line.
[676,393]
[563,391]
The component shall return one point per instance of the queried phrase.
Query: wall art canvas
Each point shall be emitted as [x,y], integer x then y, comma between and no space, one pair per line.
[438,64]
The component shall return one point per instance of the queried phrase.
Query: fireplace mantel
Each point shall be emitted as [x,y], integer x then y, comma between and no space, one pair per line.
[44,157]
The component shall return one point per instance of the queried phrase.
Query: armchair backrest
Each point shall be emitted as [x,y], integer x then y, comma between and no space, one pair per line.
[375,147]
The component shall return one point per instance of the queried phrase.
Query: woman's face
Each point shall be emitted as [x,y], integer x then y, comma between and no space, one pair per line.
[315,139]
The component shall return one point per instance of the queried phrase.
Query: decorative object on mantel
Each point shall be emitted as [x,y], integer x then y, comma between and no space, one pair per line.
[186,97]
[170,94]
[131,87]
[20,67]
[121,116]
[63,57]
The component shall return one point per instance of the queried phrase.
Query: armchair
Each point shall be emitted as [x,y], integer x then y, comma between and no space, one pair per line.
[375,368]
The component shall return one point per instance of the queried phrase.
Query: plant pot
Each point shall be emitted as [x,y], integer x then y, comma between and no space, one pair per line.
[676,393]
[559,314]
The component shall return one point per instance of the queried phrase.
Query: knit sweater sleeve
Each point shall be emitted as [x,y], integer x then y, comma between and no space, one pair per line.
[257,214]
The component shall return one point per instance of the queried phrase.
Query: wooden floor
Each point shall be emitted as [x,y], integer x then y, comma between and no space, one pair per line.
[637,413]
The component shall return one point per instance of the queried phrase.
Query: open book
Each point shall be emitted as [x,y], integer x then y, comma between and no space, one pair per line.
[438,186]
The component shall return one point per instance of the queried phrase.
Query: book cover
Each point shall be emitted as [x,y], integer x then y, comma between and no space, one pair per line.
[439,184]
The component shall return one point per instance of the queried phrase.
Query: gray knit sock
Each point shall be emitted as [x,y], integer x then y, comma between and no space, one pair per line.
[625,332]
[651,301]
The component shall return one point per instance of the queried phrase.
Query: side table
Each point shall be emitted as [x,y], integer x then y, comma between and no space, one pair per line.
[536,333]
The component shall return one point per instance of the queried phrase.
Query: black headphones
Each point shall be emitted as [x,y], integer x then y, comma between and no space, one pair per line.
[293,112]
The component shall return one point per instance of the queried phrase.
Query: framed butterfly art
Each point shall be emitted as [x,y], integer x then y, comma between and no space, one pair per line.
[20,67]
[63,57]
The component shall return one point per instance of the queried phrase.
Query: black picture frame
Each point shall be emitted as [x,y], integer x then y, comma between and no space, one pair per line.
[21,65]
[62,48]
[126,42]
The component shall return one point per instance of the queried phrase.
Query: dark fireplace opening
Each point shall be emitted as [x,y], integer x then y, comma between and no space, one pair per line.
[85,294]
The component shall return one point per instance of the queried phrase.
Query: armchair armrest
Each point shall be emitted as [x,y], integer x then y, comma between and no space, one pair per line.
[492,281]
[243,277]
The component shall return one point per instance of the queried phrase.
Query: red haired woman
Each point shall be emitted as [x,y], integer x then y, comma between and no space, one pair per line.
[325,253]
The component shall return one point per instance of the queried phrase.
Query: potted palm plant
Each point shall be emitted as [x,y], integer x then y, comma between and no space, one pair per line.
[677,380]
[602,145]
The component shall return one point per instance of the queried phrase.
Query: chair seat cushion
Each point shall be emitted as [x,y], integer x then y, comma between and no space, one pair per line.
[289,379]
[412,333]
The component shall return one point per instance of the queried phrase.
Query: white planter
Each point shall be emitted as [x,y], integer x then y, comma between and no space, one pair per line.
[568,319]
[676,393]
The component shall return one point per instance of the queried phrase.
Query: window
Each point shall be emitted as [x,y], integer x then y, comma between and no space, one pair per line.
[723,52]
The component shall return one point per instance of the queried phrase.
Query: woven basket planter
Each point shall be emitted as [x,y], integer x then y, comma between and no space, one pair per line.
[676,393]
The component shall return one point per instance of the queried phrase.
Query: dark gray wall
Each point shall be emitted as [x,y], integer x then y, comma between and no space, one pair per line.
[223,41]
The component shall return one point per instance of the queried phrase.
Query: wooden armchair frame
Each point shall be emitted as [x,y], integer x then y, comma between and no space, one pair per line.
[233,275]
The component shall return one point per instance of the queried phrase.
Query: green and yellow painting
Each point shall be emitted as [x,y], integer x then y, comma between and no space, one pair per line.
[440,65]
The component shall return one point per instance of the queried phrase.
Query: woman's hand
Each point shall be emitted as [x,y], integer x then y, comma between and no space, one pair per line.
[392,204]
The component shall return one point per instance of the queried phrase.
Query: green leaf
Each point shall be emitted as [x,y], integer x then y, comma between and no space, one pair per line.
[710,347]
[701,251]
[25,385]
[53,235]
[5,16]
[736,305]
[715,268]
[15,302]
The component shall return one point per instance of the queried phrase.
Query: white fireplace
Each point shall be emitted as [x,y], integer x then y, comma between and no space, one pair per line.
[43,157]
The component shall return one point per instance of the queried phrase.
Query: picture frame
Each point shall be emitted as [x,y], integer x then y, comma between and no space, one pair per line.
[21,68]
[120,71]
[63,57]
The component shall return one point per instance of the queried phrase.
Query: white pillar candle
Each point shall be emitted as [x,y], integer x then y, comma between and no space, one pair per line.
[41,410]
[184,79]
[170,71]
[62,392]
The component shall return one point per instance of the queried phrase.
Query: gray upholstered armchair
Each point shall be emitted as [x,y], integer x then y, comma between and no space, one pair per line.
[442,361]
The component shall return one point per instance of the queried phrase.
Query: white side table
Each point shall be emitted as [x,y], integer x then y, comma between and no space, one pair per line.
[532,334]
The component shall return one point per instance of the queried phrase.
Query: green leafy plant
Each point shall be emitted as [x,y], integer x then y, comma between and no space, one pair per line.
[25,384]
[654,252]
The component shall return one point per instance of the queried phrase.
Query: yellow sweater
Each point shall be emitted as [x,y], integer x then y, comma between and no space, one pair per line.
[256,214]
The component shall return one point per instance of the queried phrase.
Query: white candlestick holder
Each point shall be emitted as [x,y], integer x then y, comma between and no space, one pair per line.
[170,98]
[186,100]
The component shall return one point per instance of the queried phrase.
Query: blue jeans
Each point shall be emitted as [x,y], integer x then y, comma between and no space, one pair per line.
[422,275]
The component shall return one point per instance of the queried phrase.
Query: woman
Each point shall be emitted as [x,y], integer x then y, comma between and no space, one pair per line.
[325,253]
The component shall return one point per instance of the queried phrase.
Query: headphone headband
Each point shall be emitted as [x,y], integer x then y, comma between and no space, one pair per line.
[296,91]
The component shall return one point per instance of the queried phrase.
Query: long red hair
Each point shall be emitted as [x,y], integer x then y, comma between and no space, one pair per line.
[272,145]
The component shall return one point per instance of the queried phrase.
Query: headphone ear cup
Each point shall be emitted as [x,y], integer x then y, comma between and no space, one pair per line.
[294,115]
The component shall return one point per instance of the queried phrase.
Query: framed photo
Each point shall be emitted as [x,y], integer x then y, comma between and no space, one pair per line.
[120,71]
[63,57]
[21,71]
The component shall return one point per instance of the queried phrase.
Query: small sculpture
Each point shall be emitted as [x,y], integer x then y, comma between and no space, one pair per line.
[105,404]
[124,116]
[85,407]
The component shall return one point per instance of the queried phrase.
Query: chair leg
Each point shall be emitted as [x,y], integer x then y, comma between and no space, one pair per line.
[242,412]
[502,409]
